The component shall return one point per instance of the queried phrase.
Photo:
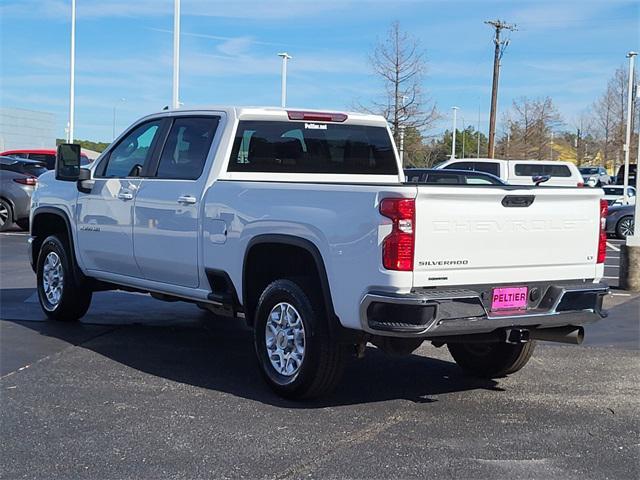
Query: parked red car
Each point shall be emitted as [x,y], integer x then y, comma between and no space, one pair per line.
[46,155]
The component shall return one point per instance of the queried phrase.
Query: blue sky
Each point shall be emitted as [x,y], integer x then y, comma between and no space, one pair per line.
[564,49]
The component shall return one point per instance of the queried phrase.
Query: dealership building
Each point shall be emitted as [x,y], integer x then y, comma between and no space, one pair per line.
[20,128]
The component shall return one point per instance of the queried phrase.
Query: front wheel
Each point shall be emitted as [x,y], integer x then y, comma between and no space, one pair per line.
[491,360]
[297,355]
[62,296]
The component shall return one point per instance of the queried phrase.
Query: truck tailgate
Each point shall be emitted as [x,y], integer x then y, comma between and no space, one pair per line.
[490,235]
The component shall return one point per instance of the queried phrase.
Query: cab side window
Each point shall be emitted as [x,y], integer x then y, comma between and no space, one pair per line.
[128,157]
[187,146]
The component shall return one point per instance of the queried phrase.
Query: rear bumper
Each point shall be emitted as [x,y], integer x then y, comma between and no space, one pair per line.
[432,313]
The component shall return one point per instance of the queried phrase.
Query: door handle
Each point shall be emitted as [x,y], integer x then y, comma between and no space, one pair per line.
[125,195]
[187,199]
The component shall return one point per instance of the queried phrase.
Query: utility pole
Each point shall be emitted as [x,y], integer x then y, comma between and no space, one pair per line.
[175,101]
[500,46]
[453,139]
[627,143]
[283,94]
[72,75]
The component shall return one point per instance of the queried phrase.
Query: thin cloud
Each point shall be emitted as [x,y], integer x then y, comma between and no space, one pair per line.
[244,9]
[214,37]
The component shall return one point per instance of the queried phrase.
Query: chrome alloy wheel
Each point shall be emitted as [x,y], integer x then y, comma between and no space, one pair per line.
[285,339]
[626,226]
[53,279]
[4,214]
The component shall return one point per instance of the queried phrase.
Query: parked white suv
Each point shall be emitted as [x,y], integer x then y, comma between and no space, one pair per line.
[522,172]
[614,195]
[301,223]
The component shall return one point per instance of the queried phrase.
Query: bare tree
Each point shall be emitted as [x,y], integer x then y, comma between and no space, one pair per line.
[609,118]
[604,118]
[530,124]
[399,62]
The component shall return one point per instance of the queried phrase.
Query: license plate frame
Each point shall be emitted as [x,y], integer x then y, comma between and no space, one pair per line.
[509,298]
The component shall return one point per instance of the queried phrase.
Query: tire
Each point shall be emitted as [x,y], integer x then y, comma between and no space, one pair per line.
[289,320]
[62,295]
[6,216]
[491,360]
[625,227]
[23,223]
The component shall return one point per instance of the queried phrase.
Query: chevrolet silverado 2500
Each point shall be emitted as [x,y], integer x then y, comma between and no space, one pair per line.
[302,223]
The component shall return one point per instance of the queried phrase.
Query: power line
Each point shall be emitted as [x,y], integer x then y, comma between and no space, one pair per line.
[500,46]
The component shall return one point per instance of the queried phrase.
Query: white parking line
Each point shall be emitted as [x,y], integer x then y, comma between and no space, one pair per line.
[612,278]
[612,247]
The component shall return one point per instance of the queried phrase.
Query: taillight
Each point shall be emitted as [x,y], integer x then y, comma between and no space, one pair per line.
[31,181]
[581,184]
[602,243]
[317,116]
[398,246]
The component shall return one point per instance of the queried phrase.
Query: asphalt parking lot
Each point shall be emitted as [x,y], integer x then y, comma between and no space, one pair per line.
[146,389]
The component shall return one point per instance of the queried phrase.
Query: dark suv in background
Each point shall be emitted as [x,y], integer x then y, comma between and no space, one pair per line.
[633,171]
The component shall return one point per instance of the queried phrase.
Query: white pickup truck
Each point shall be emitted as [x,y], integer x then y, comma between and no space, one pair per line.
[301,223]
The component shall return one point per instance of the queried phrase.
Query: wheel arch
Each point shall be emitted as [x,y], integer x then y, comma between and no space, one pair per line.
[283,242]
[48,221]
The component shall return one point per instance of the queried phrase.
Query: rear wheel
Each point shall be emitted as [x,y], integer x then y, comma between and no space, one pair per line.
[491,360]
[298,356]
[62,296]
[625,227]
[6,215]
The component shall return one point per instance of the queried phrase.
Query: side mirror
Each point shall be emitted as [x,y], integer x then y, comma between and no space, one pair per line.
[68,162]
[538,179]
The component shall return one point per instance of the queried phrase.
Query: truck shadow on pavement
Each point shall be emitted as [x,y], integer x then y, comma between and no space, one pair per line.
[217,354]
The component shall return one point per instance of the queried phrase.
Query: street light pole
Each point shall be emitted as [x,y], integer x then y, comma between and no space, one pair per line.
[402,145]
[478,134]
[630,250]
[283,93]
[627,142]
[175,101]
[453,139]
[72,76]
[463,135]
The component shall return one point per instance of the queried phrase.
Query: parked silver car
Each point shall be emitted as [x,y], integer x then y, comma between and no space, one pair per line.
[621,221]
[15,199]
[595,176]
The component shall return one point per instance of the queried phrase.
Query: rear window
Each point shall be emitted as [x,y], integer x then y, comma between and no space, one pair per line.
[48,159]
[460,166]
[35,170]
[534,169]
[487,167]
[310,147]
